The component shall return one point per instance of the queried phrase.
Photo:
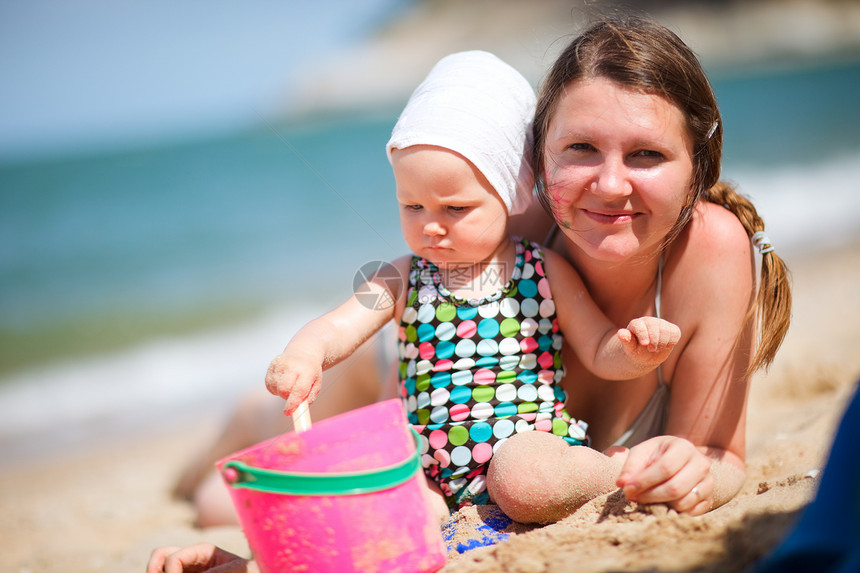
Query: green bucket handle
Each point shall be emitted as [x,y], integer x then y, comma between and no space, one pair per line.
[241,475]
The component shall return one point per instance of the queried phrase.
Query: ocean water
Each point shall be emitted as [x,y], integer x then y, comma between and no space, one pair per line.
[163,279]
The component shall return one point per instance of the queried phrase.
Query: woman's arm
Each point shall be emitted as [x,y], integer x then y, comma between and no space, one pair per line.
[296,373]
[609,352]
[708,288]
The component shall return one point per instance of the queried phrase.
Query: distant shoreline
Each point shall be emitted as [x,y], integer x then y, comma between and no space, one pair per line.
[382,71]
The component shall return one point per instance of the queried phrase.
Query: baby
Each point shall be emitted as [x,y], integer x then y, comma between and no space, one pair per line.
[480,313]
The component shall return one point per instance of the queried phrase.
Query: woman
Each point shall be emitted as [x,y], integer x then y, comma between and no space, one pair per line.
[627,147]
[628,141]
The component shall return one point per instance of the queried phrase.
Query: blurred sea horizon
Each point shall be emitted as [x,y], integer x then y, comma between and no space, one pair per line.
[162,277]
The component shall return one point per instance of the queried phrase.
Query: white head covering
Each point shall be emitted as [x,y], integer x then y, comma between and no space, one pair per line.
[475,104]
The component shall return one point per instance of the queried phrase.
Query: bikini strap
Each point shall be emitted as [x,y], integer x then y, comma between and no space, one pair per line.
[550,236]
[658,295]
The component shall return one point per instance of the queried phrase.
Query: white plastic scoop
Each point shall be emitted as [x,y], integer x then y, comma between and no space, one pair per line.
[302,418]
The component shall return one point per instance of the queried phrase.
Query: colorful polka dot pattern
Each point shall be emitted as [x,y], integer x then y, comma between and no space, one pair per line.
[473,373]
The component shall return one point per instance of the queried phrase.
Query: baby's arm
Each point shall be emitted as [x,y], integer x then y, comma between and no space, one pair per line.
[610,352]
[295,374]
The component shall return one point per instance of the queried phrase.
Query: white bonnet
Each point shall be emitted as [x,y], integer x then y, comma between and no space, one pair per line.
[475,104]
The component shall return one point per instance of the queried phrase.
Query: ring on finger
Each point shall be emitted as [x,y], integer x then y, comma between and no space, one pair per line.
[695,491]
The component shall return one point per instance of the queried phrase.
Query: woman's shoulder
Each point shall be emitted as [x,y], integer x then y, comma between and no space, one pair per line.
[714,236]
[712,255]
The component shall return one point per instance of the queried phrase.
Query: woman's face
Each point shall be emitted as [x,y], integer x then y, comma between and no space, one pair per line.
[618,168]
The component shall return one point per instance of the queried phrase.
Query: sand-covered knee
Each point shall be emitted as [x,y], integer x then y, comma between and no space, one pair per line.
[537,477]
[520,450]
[525,478]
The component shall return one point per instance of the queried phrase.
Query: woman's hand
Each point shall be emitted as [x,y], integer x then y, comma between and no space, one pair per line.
[196,559]
[670,470]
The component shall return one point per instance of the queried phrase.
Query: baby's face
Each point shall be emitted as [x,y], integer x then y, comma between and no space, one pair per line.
[449,212]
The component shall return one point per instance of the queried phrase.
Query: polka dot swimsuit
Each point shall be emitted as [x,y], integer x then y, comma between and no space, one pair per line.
[474,372]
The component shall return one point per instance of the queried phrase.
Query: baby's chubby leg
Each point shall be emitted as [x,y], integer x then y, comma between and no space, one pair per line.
[537,477]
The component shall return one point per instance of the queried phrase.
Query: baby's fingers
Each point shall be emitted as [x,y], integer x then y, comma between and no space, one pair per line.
[655,333]
[639,328]
[300,393]
[667,334]
[624,335]
[275,375]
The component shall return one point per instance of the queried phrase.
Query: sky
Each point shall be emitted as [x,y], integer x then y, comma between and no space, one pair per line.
[92,73]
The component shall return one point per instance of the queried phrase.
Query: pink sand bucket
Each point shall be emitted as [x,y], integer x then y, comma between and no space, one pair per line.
[342,496]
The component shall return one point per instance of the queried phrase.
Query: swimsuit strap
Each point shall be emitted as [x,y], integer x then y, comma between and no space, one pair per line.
[651,420]
[550,236]
[657,303]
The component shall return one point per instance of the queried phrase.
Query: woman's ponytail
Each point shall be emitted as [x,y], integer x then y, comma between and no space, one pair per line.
[772,305]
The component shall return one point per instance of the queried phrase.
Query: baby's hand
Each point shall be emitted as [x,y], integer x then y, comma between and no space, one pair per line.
[649,339]
[294,380]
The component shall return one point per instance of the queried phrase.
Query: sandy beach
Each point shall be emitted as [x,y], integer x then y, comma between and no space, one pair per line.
[106,508]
